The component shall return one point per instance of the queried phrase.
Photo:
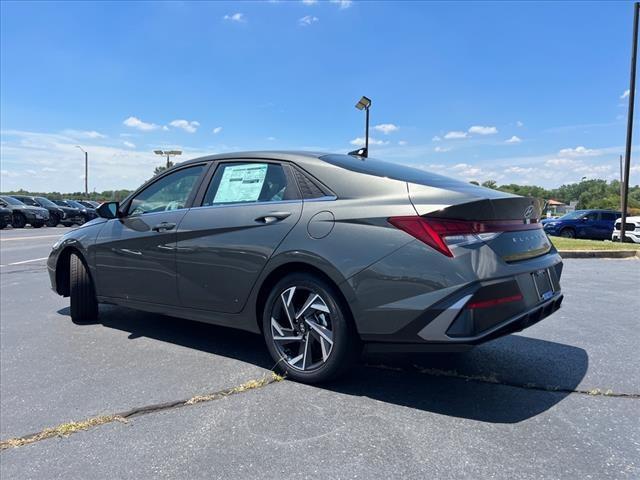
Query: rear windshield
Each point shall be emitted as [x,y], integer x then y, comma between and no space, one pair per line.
[395,171]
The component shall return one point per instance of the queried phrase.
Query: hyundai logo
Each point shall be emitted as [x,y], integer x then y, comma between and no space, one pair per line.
[528,211]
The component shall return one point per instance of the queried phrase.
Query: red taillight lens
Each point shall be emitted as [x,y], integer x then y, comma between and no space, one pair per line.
[433,231]
[423,231]
[494,301]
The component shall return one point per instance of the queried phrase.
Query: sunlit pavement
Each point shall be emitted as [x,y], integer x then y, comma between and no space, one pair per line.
[559,400]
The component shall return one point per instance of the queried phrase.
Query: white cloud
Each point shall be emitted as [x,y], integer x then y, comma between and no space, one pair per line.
[309,2]
[402,142]
[455,135]
[386,128]
[55,163]
[578,152]
[216,130]
[186,125]
[271,139]
[440,149]
[436,139]
[514,139]
[135,122]
[625,94]
[520,170]
[481,130]
[236,17]
[129,144]
[342,3]
[519,124]
[307,20]
[359,142]
[83,133]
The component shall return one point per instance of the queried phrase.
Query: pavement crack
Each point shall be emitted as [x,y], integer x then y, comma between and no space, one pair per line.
[493,379]
[66,429]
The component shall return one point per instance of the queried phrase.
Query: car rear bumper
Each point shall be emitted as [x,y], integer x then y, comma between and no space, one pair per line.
[415,296]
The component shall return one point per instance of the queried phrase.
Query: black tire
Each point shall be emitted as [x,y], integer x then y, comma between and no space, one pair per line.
[345,346]
[18,221]
[54,220]
[84,306]
[568,233]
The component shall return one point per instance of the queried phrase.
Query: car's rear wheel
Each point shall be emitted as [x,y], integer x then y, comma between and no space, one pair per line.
[84,305]
[308,329]
[567,233]
[18,220]
[53,221]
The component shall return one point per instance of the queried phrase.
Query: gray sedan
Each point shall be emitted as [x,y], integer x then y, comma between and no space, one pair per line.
[320,253]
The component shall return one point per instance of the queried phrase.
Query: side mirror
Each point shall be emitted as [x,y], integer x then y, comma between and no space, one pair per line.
[109,210]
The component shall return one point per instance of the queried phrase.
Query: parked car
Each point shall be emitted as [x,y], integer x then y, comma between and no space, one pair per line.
[89,213]
[23,214]
[73,215]
[87,203]
[592,224]
[318,253]
[631,229]
[56,214]
[5,217]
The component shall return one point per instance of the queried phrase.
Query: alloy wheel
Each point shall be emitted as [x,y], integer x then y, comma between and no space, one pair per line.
[302,329]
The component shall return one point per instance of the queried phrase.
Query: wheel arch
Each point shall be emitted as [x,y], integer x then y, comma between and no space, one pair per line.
[297,266]
[63,268]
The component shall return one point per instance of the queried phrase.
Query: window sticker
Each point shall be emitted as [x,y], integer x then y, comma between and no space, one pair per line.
[241,183]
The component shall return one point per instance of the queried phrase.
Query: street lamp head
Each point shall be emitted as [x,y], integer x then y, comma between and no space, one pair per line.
[174,152]
[363,103]
[78,146]
[158,152]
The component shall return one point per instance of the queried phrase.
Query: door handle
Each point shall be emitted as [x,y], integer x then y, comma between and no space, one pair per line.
[164,226]
[273,217]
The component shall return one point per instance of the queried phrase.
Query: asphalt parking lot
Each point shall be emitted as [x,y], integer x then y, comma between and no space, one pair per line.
[559,400]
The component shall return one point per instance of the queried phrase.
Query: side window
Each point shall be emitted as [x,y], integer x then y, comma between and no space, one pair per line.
[608,217]
[248,182]
[592,217]
[169,193]
[28,201]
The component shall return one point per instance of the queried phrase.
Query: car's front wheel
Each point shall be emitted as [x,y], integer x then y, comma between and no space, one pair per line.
[568,233]
[53,221]
[84,305]
[308,330]
[18,220]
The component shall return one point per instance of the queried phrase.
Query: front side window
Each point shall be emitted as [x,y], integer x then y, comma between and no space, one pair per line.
[248,183]
[609,217]
[28,201]
[592,217]
[169,193]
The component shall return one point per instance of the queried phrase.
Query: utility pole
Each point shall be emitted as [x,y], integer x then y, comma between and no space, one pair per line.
[632,92]
[86,171]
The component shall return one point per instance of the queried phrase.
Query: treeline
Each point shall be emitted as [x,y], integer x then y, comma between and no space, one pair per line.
[588,193]
[107,195]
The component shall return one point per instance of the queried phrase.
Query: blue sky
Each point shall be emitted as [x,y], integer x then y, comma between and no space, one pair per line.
[514,92]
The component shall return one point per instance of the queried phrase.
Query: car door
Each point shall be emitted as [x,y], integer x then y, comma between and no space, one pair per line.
[135,254]
[247,209]
[587,227]
[605,225]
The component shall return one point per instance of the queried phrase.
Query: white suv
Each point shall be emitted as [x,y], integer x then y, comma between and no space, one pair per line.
[632,229]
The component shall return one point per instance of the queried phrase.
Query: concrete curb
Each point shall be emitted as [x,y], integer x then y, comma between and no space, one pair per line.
[599,253]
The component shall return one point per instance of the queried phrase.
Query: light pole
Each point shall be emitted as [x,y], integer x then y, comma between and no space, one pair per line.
[168,154]
[363,104]
[627,154]
[86,171]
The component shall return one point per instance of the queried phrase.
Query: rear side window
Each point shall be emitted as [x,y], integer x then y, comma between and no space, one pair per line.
[592,217]
[248,182]
[28,201]
[308,187]
[609,217]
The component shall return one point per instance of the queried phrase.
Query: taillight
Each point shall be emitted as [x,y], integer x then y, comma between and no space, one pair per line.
[441,233]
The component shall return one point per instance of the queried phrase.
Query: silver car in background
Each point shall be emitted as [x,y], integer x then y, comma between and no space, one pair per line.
[320,253]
